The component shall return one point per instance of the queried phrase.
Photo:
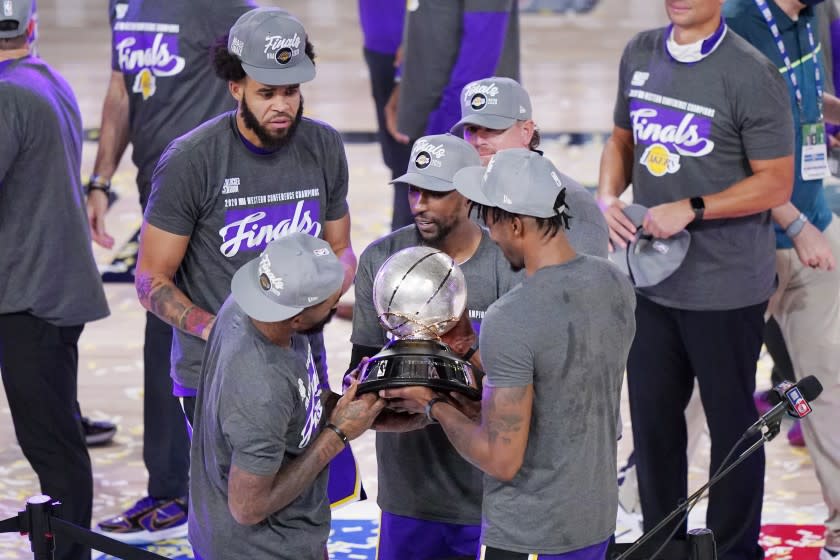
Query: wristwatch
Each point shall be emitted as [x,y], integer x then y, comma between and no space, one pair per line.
[469,353]
[698,206]
[795,227]
[430,404]
[98,183]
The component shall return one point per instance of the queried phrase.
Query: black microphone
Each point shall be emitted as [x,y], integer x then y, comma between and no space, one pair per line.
[789,398]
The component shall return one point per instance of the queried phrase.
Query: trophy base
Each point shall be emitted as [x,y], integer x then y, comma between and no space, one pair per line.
[428,363]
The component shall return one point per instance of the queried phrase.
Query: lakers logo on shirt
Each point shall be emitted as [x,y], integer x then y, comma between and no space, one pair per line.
[478,102]
[145,83]
[147,51]
[422,160]
[283,56]
[659,160]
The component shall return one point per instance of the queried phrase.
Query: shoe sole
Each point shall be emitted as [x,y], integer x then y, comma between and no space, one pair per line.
[100,439]
[147,537]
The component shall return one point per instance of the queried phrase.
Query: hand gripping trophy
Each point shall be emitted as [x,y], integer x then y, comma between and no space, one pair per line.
[419,294]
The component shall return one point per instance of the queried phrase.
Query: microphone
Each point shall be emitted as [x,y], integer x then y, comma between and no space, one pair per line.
[789,398]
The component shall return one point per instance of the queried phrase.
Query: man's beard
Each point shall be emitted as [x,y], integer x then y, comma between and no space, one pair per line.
[270,141]
[434,241]
[319,327]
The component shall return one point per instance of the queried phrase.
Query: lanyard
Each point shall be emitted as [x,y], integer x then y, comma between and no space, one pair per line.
[777,37]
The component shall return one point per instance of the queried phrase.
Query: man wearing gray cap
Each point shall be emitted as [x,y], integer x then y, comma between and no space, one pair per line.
[496,115]
[443,519]
[50,287]
[258,480]
[553,351]
[221,192]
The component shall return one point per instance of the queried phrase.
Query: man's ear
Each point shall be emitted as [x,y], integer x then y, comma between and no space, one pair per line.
[517,226]
[527,131]
[237,89]
[296,322]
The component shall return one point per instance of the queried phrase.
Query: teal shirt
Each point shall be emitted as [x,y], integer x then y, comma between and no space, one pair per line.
[744,18]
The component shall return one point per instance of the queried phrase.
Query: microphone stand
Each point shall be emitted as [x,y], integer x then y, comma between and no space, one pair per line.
[771,431]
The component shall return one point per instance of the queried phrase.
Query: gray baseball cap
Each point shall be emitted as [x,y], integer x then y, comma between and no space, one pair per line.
[294,272]
[495,103]
[647,260]
[588,231]
[16,15]
[519,181]
[434,161]
[271,44]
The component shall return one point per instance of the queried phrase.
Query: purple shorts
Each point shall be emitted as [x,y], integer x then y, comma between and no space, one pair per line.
[594,552]
[407,538]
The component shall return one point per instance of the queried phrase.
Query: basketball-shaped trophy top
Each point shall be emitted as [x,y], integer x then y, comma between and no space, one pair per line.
[419,293]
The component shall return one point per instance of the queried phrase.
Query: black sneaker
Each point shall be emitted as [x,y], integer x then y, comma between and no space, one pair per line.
[98,432]
[148,521]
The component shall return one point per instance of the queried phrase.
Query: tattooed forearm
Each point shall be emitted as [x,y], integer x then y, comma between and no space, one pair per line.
[253,498]
[497,444]
[164,299]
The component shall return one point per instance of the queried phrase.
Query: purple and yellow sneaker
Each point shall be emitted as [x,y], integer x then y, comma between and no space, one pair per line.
[795,436]
[148,521]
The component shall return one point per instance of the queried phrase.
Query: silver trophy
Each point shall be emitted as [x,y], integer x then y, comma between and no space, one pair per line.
[419,294]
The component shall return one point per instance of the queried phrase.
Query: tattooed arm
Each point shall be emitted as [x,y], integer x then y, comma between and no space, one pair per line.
[159,257]
[496,442]
[252,498]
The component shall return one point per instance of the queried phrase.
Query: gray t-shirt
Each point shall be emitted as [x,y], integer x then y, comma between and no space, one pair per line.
[566,330]
[259,406]
[162,48]
[231,202]
[588,232]
[420,473]
[696,126]
[48,265]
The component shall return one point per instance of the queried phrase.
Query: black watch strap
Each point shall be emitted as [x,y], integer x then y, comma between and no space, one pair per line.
[699,207]
[469,353]
[97,183]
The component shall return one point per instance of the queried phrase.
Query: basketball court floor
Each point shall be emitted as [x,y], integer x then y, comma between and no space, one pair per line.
[569,66]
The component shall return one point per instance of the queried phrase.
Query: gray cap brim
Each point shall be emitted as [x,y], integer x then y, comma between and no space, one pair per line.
[635,213]
[654,268]
[492,122]
[425,182]
[303,71]
[468,182]
[250,298]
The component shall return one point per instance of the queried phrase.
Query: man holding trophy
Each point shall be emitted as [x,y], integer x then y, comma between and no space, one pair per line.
[554,350]
[444,519]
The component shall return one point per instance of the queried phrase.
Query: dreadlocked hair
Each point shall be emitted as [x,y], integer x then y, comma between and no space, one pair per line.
[550,227]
